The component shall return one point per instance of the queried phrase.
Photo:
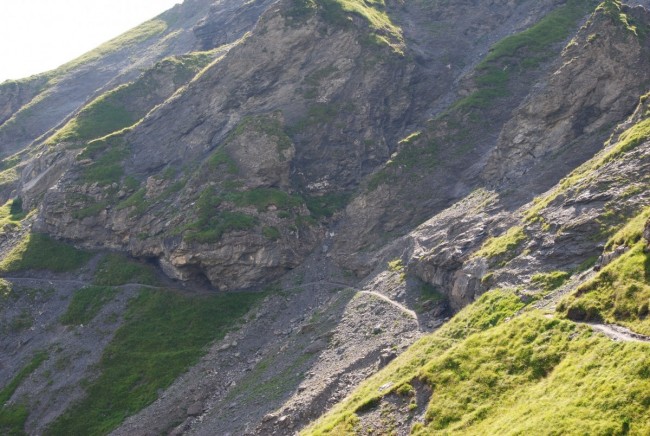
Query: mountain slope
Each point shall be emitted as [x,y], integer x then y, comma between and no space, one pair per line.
[352,174]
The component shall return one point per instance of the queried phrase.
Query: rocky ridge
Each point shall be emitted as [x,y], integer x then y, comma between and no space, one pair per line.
[350,160]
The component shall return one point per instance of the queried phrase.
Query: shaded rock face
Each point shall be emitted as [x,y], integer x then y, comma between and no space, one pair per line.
[227,21]
[442,248]
[16,94]
[65,90]
[604,69]
[312,110]
[240,111]
[646,233]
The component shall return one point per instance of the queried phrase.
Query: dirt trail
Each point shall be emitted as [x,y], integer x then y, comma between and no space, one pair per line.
[618,333]
[404,309]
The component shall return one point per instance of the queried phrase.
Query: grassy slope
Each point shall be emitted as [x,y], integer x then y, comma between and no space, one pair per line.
[531,375]
[620,292]
[13,417]
[39,252]
[163,335]
[137,35]
[115,109]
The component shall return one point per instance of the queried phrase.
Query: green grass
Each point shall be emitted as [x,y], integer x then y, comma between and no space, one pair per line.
[324,206]
[12,213]
[266,125]
[116,269]
[337,13]
[523,51]
[502,246]
[8,177]
[626,141]
[40,252]
[317,114]
[271,232]
[212,223]
[12,418]
[121,107]
[86,304]
[220,159]
[223,222]
[163,335]
[620,292]
[102,116]
[531,375]
[88,211]
[551,280]
[6,289]
[262,198]
[487,312]
[106,155]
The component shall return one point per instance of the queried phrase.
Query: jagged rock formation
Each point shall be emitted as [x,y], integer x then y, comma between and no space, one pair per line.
[382,164]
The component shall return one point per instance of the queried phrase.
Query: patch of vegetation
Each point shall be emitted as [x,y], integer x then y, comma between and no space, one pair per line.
[324,206]
[40,252]
[5,289]
[271,232]
[116,269]
[220,158]
[522,51]
[631,233]
[266,125]
[88,211]
[620,292]
[551,280]
[490,310]
[502,246]
[212,223]
[86,304]
[614,10]
[319,114]
[397,266]
[626,141]
[123,106]
[9,162]
[107,155]
[12,213]
[262,198]
[136,200]
[373,11]
[429,294]
[13,417]
[8,177]
[163,335]
[524,376]
[23,321]
[102,116]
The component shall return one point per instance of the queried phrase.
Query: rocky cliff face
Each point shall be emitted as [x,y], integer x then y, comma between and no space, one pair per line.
[383,164]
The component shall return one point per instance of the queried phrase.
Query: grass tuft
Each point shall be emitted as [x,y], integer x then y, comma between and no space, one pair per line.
[40,252]
[86,304]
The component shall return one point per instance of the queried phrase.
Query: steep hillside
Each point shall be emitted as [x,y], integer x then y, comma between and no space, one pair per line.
[241,215]
[35,106]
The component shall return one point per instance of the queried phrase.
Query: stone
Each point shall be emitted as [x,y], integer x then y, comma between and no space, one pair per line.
[195,409]
[386,356]
[316,346]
